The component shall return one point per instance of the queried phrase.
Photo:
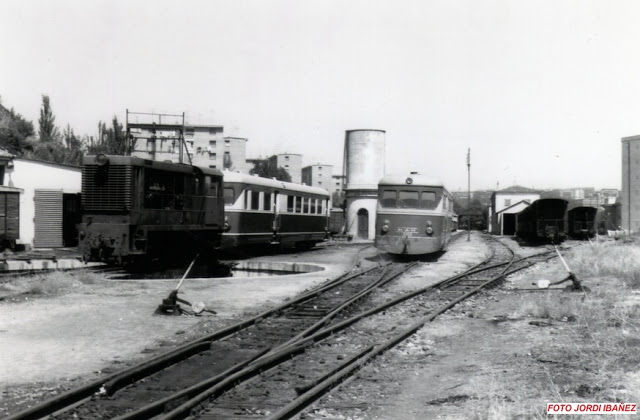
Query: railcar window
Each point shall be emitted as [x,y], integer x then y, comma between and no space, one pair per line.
[428,200]
[291,201]
[229,196]
[255,200]
[298,205]
[305,205]
[408,199]
[321,207]
[247,194]
[389,198]
[313,206]
[267,201]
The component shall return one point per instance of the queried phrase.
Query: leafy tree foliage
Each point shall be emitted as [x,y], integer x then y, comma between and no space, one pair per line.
[14,131]
[111,140]
[338,200]
[264,169]
[47,128]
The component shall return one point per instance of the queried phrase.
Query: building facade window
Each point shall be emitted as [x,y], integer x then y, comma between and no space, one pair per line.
[507,202]
[212,143]
[227,143]
[212,156]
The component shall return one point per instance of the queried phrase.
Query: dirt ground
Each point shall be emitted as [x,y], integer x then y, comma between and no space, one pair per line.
[484,359]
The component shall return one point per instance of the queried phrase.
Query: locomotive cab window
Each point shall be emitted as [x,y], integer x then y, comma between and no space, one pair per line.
[428,200]
[305,205]
[313,206]
[162,188]
[298,205]
[408,199]
[388,198]
[321,207]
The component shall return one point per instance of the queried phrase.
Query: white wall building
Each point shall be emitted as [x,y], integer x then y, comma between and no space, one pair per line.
[505,204]
[49,201]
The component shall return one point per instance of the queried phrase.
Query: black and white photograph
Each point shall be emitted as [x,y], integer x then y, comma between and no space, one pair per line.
[337,210]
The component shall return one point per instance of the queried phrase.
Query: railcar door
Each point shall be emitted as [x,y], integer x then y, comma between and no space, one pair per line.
[276,217]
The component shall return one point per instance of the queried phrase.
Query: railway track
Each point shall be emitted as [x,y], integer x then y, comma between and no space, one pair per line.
[282,360]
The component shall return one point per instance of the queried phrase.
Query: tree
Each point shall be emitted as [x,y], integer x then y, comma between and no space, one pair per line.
[110,141]
[47,128]
[267,169]
[14,131]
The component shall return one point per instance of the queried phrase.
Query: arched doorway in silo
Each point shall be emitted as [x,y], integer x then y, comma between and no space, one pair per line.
[363,224]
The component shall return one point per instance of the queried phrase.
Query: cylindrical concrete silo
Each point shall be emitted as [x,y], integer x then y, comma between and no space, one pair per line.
[364,166]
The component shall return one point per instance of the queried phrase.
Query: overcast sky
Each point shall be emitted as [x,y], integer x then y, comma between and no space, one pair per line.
[541,91]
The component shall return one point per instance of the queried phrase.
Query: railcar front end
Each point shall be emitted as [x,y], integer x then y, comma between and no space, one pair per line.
[414,215]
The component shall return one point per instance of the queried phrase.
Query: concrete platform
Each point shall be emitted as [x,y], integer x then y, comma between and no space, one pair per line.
[41,259]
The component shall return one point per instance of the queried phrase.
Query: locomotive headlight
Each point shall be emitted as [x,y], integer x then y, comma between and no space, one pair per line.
[385,226]
[429,224]
[429,229]
[101,159]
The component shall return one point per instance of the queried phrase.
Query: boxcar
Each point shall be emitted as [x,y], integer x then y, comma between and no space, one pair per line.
[543,220]
[136,209]
[581,222]
[414,215]
[262,211]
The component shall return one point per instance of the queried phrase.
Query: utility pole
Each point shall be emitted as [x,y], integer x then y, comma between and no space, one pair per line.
[468,194]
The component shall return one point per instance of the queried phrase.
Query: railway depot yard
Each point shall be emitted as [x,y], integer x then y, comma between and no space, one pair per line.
[504,353]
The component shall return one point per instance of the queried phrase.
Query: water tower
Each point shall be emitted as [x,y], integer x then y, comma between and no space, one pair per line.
[364,166]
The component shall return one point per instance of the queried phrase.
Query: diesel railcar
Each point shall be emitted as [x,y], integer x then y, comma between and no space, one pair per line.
[544,220]
[136,209]
[581,222]
[262,211]
[414,215]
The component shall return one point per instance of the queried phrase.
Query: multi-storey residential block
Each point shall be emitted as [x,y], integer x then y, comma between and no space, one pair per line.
[292,162]
[201,145]
[318,175]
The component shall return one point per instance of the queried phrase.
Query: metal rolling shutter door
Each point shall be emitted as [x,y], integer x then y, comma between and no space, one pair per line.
[48,221]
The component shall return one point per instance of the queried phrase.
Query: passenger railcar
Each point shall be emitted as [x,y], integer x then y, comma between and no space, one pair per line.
[581,222]
[137,209]
[262,211]
[414,215]
[543,220]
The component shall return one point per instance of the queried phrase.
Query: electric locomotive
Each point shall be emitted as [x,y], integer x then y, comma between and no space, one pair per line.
[263,211]
[137,209]
[414,215]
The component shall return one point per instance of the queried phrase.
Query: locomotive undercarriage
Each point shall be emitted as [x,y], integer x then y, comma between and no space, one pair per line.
[123,244]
